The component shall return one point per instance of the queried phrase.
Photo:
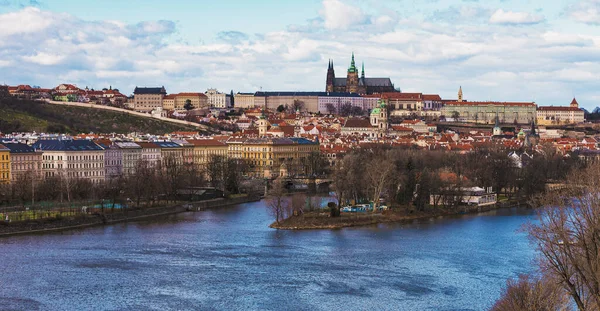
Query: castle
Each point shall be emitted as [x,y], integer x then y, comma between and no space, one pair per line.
[355,84]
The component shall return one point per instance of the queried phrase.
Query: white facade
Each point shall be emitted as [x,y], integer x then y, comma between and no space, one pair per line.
[217,99]
[338,102]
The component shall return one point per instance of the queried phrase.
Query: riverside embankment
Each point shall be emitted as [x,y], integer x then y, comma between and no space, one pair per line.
[60,223]
[322,220]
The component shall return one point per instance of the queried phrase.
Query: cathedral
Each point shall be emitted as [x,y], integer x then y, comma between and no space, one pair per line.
[355,84]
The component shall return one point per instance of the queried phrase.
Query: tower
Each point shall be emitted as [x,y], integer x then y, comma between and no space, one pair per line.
[362,73]
[352,77]
[574,103]
[460,94]
[497,130]
[379,118]
[263,125]
[330,77]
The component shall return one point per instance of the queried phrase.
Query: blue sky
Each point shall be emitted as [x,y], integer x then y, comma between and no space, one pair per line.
[504,50]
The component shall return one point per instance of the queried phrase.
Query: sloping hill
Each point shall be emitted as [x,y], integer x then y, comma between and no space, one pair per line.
[23,115]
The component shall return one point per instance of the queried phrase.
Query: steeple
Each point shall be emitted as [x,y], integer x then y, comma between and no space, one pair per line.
[352,65]
[574,103]
[460,94]
[362,74]
[497,131]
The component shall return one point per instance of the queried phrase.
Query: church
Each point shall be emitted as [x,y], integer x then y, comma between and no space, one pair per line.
[355,84]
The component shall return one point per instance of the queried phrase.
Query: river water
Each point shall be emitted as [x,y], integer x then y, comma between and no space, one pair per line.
[229,259]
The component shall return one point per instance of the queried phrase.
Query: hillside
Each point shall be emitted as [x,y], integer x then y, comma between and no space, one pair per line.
[24,116]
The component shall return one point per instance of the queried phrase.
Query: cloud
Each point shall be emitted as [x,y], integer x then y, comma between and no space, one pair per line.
[418,54]
[585,11]
[232,36]
[515,18]
[42,58]
[339,15]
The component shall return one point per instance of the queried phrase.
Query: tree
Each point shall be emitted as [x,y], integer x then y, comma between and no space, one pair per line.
[331,108]
[188,105]
[379,172]
[297,105]
[455,115]
[567,236]
[346,109]
[281,108]
[532,294]
[356,111]
[276,202]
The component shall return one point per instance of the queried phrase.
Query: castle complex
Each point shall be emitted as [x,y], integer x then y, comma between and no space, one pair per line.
[355,84]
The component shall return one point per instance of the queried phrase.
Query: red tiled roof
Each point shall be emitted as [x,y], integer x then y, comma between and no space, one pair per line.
[558,108]
[432,97]
[357,123]
[402,96]
[526,104]
[206,143]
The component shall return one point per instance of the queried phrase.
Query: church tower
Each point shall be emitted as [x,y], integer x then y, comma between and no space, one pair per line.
[330,77]
[460,95]
[352,78]
[497,131]
[574,103]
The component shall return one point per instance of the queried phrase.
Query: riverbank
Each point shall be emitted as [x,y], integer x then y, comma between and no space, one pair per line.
[46,225]
[319,221]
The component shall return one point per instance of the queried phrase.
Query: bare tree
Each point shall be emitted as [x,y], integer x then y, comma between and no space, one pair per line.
[532,294]
[277,202]
[568,237]
[297,105]
[379,173]
[331,108]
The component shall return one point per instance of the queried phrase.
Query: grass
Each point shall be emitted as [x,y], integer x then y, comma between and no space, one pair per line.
[27,116]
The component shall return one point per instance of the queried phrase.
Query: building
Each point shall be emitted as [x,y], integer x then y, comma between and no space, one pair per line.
[24,160]
[170,152]
[197,100]
[485,112]
[131,154]
[332,102]
[307,101]
[146,99]
[4,165]
[217,100]
[169,102]
[244,100]
[265,156]
[204,149]
[67,89]
[72,159]
[572,114]
[150,153]
[352,83]
[404,104]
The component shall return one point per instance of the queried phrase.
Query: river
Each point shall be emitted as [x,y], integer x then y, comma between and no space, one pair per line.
[229,259]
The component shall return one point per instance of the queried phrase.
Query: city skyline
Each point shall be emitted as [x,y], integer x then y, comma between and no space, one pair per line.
[495,50]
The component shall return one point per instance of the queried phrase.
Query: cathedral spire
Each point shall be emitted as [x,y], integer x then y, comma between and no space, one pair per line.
[352,65]
[362,74]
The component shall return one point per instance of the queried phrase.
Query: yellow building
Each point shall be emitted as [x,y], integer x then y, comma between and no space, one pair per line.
[572,114]
[265,156]
[4,164]
[169,102]
[198,100]
[204,149]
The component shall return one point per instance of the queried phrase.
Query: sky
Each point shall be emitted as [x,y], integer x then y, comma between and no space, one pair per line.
[501,50]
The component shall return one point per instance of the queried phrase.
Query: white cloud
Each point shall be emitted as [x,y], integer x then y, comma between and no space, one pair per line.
[28,20]
[585,11]
[547,64]
[511,17]
[339,15]
[44,58]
